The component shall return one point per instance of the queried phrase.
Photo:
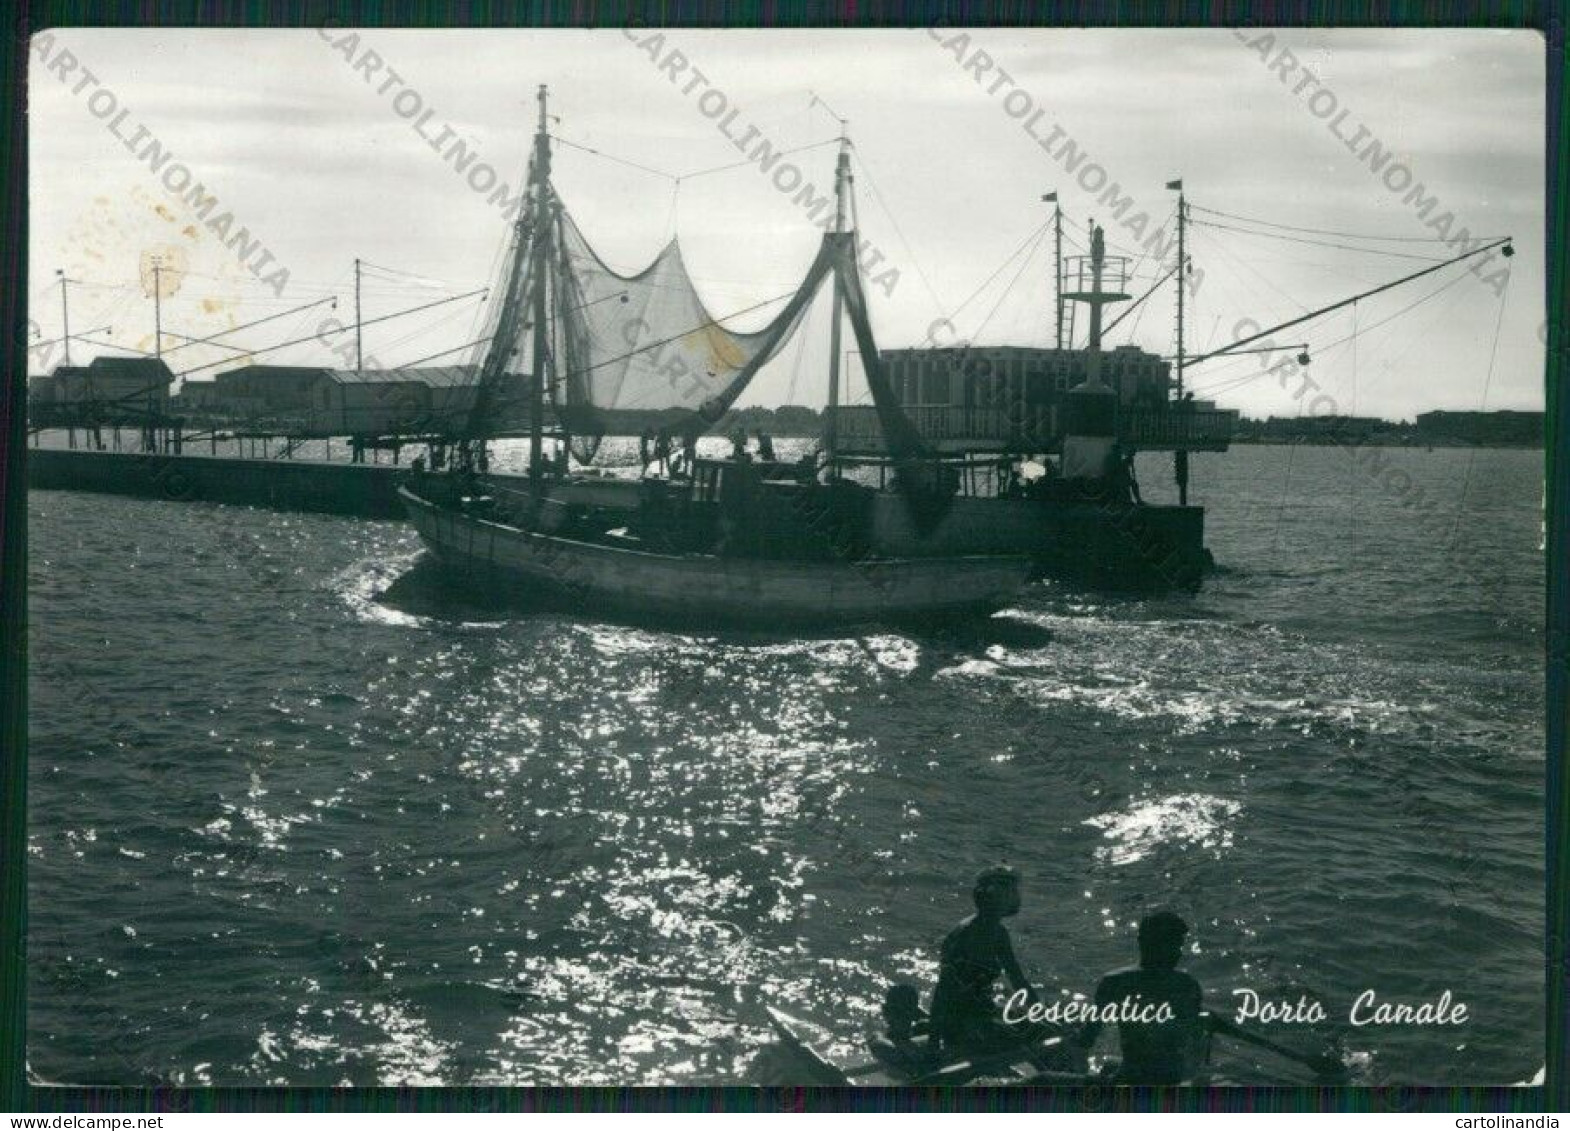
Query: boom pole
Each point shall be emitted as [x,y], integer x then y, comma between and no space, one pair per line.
[1237,345]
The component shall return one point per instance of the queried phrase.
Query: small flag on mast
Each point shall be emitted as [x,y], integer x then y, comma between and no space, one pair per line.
[1178,184]
[1050,198]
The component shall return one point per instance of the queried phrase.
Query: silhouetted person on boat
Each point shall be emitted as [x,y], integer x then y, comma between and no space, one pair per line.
[1185,411]
[1155,1051]
[662,451]
[1131,480]
[766,447]
[1117,476]
[965,1017]
[905,1046]
[738,447]
[645,444]
[1009,485]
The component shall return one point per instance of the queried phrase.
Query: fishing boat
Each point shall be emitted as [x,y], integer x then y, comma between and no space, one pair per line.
[730,542]
[615,571]
[573,336]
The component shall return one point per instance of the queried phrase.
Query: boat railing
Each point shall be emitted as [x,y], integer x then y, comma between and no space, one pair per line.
[1037,428]
[1195,429]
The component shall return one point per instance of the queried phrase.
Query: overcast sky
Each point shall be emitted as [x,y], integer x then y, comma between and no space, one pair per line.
[313,158]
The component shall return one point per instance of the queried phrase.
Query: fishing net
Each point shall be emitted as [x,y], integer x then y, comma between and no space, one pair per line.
[647,342]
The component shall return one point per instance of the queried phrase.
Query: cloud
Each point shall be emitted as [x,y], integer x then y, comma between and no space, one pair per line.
[309,153]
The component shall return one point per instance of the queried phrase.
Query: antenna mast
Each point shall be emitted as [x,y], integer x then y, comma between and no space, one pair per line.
[1182,218]
[359,360]
[158,310]
[65,314]
[1180,456]
[1057,260]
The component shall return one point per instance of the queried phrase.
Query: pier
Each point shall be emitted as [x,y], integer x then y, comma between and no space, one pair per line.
[366,490]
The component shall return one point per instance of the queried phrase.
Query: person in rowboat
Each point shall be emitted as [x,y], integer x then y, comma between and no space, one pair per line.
[965,1018]
[1168,1050]
[905,1046]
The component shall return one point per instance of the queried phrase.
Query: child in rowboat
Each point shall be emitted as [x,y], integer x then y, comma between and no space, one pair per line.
[905,1046]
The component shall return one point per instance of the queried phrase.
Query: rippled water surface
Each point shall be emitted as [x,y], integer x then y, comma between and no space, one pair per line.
[303,812]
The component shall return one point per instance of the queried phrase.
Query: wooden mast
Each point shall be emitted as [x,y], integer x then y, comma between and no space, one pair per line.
[831,427]
[540,350]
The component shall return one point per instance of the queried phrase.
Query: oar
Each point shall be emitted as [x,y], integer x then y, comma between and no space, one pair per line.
[1322,1063]
[864,1069]
[968,1069]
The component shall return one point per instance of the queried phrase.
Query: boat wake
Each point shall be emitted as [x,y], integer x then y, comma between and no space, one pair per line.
[415,591]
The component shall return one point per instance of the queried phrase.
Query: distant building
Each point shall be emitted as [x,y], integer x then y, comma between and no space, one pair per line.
[1003,397]
[994,378]
[254,392]
[1504,427]
[386,401]
[41,390]
[109,385]
[197,396]
[1345,429]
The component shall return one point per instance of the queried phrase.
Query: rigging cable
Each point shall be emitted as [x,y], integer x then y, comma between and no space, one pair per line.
[1281,511]
[1317,243]
[914,262]
[1134,271]
[608,157]
[1131,309]
[801,351]
[1233,257]
[1381,289]
[1323,231]
[1493,352]
[341,329]
[1024,263]
[1029,241]
[1230,383]
[755,161]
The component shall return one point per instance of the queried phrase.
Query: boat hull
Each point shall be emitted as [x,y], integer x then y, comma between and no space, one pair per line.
[701,588]
[1102,544]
